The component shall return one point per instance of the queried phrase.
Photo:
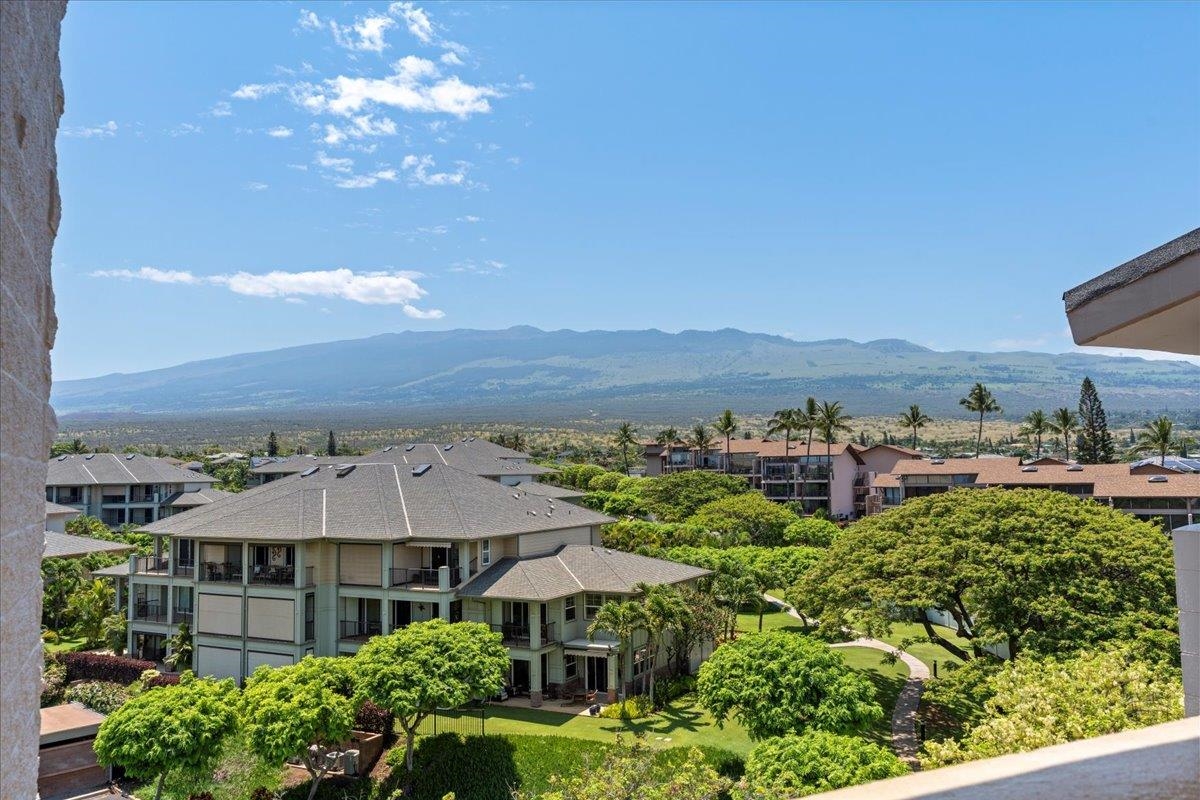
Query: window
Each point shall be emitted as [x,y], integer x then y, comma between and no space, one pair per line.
[591,604]
[310,617]
[570,668]
[569,608]
[485,552]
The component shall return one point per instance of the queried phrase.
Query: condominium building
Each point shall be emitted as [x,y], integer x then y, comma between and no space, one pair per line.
[833,477]
[318,562]
[121,488]
[1147,491]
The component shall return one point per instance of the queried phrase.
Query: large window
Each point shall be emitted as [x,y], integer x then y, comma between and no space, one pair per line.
[591,604]
[485,552]
[569,608]
[310,617]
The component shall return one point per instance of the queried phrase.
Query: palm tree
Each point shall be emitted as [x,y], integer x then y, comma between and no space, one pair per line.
[807,418]
[831,419]
[980,401]
[785,420]
[664,610]
[915,418]
[1036,425]
[667,437]
[1157,436]
[622,620]
[702,440]
[626,437]
[1064,423]
[727,426]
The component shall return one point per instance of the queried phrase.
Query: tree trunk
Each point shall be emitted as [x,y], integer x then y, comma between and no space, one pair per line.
[914,437]
[158,789]
[979,436]
[761,609]
[727,455]
[942,642]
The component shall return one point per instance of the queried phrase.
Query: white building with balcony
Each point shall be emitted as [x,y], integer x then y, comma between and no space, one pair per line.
[120,488]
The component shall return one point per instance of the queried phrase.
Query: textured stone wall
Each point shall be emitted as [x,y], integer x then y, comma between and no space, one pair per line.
[1187,591]
[31,102]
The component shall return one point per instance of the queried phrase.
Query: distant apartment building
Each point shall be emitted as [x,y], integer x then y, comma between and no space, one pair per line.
[833,477]
[470,454]
[1145,490]
[318,562]
[122,488]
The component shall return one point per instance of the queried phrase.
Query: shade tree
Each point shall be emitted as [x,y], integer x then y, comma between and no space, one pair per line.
[746,518]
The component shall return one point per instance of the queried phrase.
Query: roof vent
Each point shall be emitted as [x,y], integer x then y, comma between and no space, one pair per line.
[130,456]
[447,447]
[470,438]
[387,449]
[89,456]
[62,458]
[421,469]
[464,439]
[516,497]
[1157,479]
[1074,467]
[344,469]
[408,448]
[937,461]
[1029,469]
[308,472]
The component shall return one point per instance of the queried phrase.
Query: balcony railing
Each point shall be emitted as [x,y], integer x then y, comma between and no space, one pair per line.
[359,628]
[273,576]
[414,578]
[185,569]
[182,615]
[112,498]
[516,635]
[150,564]
[149,611]
[221,571]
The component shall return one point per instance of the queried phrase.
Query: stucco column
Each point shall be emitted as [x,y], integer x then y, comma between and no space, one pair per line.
[614,676]
[1187,592]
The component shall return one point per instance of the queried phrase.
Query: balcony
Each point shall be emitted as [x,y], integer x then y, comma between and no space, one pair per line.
[149,611]
[221,571]
[359,629]
[150,565]
[517,635]
[407,578]
[112,499]
[183,615]
[274,576]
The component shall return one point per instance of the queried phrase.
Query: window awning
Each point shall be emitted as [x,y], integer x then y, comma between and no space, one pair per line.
[586,647]
[430,544]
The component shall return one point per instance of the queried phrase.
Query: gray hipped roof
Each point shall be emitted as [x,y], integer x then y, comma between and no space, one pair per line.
[117,469]
[575,568]
[549,490]
[377,502]
[200,497]
[473,455]
[59,510]
[64,545]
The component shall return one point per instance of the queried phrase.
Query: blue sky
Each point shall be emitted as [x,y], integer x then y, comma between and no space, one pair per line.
[245,176]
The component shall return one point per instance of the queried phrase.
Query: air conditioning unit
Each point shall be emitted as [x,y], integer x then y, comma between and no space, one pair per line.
[350,762]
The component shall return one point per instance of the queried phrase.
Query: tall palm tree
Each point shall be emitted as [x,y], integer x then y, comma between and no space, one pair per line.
[1064,422]
[980,401]
[1037,425]
[702,440]
[785,421]
[831,420]
[667,437]
[727,426]
[622,620]
[664,610]
[808,417]
[626,438]
[1158,436]
[915,419]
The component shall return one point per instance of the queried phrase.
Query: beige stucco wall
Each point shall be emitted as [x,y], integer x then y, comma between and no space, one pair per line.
[31,102]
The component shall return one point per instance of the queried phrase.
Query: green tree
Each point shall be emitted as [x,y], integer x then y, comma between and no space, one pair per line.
[667,437]
[727,426]
[779,683]
[61,578]
[1158,436]
[1038,703]
[302,710]
[914,419]
[420,668]
[622,775]
[1064,423]
[785,421]
[272,445]
[1097,445]
[172,728]
[664,610]
[91,603]
[749,518]
[817,761]
[808,417]
[331,448]
[621,619]
[980,401]
[831,421]
[702,440]
[675,497]
[1036,425]
[114,629]
[811,532]
[626,437]
[181,647]
[1038,570]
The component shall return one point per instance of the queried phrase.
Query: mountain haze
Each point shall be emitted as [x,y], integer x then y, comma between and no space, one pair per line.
[645,373]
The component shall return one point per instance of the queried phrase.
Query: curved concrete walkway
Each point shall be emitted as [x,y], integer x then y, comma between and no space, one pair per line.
[905,740]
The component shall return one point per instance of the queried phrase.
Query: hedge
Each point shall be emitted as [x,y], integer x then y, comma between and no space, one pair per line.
[102,697]
[102,667]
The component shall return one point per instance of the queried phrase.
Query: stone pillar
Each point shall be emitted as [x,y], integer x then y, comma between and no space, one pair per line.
[31,102]
[1187,592]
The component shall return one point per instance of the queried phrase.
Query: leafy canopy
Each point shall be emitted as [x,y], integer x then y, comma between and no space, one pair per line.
[778,683]
[1041,571]
[1038,703]
[811,531]
[746,517]
[675,497]
[622,775]
[817,761]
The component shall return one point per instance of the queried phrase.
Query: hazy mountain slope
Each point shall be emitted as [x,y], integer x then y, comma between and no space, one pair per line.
[633,373]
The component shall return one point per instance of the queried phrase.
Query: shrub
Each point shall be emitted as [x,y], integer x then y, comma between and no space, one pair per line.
[749,517]
[811,531]
[579,475]
[631,708]
[794,766]
[373,719]
[632,535]
[667,690]
[102,697]
[158,679]
[630,485]
[675,497]
[623,505]
[54,682]
[50,637]
[102,667]
[606,482]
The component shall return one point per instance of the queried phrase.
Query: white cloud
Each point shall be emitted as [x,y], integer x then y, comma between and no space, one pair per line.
[489,267]
[256,91]
[451,59]
[185,129]
[365,35]
[309,20]
[415,18]
[470,218]
[416,84]
[280,132]
[153,274]
[420,171]
[105,130]
[365,181]
[221,109]
[335,164]
[360,127]
[256,186]
[390,287]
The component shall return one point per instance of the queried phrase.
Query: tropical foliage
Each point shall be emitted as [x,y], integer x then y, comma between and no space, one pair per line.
[816,761]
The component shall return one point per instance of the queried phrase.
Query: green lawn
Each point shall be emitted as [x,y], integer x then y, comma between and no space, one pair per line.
[65,644]
[928,652]
[888,679]
[683,724]
[773,620]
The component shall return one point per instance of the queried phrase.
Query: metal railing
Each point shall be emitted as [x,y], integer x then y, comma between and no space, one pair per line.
[149,611]
[421,578]
[182,615]
[185,569]
[221,571]
[517,635]
[273,576]
[146,564]
[359,628]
